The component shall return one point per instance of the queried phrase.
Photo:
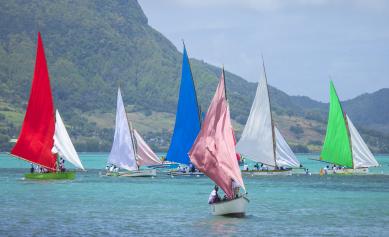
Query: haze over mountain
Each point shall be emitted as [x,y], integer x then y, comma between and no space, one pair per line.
[92,47]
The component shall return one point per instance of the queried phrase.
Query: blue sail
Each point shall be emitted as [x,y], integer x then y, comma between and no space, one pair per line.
[187,117]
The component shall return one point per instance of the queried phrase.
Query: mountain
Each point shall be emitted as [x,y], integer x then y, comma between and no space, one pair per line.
[92,47]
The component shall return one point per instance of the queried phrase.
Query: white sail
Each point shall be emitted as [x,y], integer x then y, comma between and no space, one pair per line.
[122,152]
[256,142]
[284,155]
[63,145]
[362,156]
[144,153]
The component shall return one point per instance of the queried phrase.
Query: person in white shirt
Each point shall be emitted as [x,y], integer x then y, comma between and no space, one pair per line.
[111,169]
[214,196]
[236,188]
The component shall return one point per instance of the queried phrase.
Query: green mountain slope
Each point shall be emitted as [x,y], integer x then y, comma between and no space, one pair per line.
[92,47]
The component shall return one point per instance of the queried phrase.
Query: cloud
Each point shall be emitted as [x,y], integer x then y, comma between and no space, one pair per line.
[274,5]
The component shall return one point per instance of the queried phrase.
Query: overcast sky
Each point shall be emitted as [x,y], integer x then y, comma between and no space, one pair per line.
[304,42]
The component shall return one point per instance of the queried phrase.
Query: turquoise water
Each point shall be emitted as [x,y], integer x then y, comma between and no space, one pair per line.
[94,205]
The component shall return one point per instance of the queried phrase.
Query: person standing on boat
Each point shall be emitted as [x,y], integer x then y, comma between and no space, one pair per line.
[214,196]
[256,166]
[326,169]
[236,188]
[32,168]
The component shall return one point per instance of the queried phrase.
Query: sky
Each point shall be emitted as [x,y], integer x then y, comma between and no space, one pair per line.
[304,42]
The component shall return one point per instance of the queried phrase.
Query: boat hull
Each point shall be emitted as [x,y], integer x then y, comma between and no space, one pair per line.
[50,176]
[359,171]
[136,173]
[177,173]
[267,172]
[233,208]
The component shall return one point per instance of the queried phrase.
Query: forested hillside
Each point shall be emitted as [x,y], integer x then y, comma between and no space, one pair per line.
[92,47]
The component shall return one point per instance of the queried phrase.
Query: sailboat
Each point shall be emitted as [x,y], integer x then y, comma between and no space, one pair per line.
[214,154]
[129,151]
[343,145]
[188,121]
[261,141]
[43,137]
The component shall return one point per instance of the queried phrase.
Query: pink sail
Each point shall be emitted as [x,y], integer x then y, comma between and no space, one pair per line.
[144,153]
[213,152]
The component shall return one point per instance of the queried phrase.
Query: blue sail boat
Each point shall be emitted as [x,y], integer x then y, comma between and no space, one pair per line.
[188,120]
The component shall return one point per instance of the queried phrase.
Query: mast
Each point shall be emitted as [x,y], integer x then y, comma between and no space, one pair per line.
[194,87]
[336,148]
[132,136]
[349,136]
[225,85]
[133,142]
[271,116]
[347,128]
[35,140]
[188,118]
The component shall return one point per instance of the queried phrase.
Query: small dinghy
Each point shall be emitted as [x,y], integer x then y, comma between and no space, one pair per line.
[234,208]
[43,137]
[188,121]
[129,150]
[343,145]
[261,141]
[213,153]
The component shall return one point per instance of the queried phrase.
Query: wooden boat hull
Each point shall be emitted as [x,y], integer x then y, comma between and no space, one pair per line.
[50,176]
[233,208]
[177,173]
[136,173]
[166,165]
[267,172]
[359,171]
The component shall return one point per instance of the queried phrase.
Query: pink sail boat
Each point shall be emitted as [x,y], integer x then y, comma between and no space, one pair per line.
[213,153]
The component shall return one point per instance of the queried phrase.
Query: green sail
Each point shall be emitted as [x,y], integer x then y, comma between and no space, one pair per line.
[336,148]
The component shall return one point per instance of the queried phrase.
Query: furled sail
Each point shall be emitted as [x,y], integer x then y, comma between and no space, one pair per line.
[256,141]
[144,153]
[284,155]
[63,145]
[36,137]
[122,152]
[187,124]
[336,148]
[214,151]
[362,156]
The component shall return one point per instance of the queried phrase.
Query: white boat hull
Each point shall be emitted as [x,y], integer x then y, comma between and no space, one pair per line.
[267,172]
[135,173]
[235,207]
[346,171]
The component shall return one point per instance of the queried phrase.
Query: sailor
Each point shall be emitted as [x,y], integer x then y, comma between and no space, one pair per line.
[62,165]
[307,171]
[192,168]
[256,166]
[111,169]
[245,167]
[326,169]
[334,169]
[214,196]
[32,168]
[235,187]
[116,169]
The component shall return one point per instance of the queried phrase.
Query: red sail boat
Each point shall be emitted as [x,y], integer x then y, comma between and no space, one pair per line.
[213,153]
[36,139]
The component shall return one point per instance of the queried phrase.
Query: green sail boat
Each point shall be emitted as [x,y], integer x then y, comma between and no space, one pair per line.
[343,146]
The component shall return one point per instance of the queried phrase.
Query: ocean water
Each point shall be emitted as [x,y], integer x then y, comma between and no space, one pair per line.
[95,205]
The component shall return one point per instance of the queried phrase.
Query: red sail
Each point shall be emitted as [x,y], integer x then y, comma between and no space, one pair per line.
[36,137]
